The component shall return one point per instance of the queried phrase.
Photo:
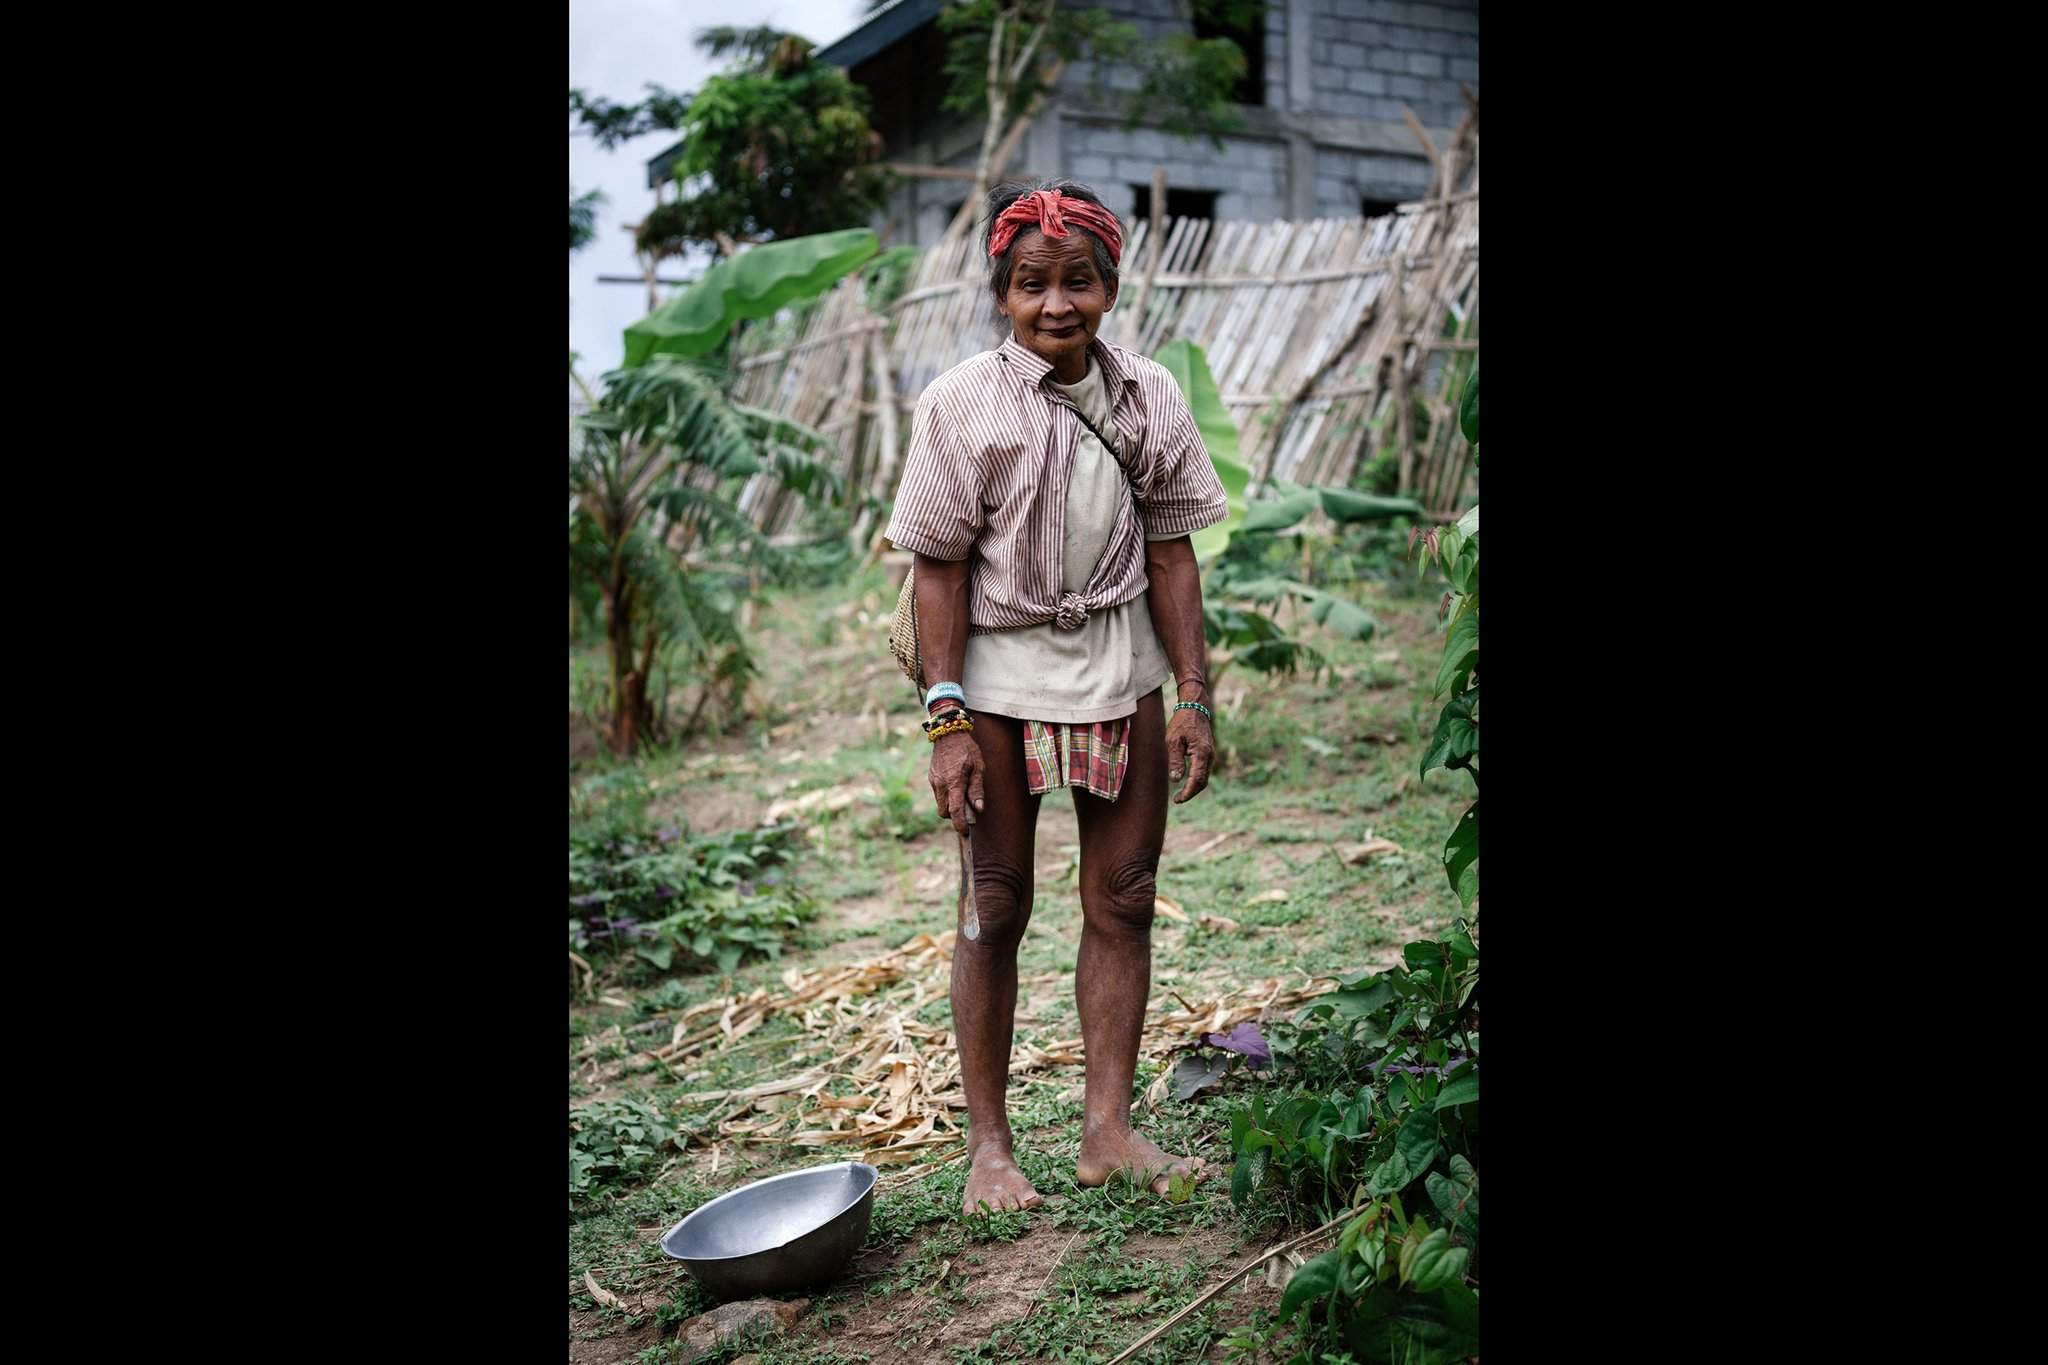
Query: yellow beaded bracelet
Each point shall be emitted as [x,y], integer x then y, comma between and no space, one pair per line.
[950,727]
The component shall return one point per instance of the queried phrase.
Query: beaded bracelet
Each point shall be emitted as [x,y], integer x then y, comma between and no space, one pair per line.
[1184,705]
[937,730]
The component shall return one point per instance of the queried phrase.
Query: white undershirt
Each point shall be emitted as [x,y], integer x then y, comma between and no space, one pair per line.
[1099,671]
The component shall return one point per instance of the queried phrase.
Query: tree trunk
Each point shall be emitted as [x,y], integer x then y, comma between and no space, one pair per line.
[997,146]
[630,716]
[998,106]
[618,643]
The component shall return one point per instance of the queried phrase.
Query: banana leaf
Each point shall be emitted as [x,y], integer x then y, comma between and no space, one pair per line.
[754,284]
[1184,360]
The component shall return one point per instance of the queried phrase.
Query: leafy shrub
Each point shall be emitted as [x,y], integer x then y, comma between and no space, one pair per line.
[612,1142]
[1393,1289]
[1455,741]
[675,900]
[1247,557]
[1373,1101]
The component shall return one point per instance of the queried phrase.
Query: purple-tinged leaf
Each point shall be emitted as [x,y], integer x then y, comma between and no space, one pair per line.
[1246,1040]
[1195,1073]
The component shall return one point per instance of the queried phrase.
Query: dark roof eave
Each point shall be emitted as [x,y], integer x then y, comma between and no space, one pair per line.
[883,31]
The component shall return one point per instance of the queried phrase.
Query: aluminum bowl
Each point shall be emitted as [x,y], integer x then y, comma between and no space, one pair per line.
[789,1231]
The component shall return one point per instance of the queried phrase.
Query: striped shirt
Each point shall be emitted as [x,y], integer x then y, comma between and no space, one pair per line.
[986,474]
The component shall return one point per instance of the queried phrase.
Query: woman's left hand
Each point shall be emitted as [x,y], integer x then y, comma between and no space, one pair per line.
[1190,751]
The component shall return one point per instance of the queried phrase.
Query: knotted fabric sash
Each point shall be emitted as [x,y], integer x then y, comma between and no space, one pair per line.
[1050,212]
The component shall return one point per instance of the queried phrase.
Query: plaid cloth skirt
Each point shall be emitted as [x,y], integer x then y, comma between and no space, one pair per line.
[1090,756]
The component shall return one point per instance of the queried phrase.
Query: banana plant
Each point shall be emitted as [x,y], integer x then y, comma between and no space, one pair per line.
[664,447]
[1232,593]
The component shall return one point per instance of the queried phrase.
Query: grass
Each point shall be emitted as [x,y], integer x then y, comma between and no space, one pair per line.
[1308,765]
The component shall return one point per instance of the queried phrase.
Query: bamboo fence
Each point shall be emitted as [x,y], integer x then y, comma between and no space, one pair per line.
[1329,340]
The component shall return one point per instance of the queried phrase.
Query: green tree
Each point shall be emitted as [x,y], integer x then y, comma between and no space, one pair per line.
[1004,56]
[583,218]
[779,146]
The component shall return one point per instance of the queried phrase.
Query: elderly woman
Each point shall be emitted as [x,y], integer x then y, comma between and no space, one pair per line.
[1048,494]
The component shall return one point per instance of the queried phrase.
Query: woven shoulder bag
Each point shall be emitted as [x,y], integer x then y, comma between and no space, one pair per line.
[903,631]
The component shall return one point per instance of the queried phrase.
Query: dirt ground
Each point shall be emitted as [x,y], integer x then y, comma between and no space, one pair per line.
[1264,849]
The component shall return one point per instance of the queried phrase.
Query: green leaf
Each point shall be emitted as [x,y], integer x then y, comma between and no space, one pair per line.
[1463,1090]
[1416,1143]
[660,954]
[1315,1279]
[1277,514]
[757,283]
[1461,655]
[1468,411]
[1423,952]
[1460,1305]
[1461,857]
[1189,367]
[1353,1001]
[1390,1175]
[1249,1175]
[1456,737]
[1435,1263]
[1343,505]
[1456,1197]
[1463,568]
[1469,523]
[1411,1242]
[1414,1329]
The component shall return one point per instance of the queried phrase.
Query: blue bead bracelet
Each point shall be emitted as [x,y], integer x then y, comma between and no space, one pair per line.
[1182,706]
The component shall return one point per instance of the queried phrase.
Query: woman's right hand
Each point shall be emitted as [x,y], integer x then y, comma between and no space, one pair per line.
[956,778]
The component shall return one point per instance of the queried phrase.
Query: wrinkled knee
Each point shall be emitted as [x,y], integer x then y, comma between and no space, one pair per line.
[1125,899]
[1002,903]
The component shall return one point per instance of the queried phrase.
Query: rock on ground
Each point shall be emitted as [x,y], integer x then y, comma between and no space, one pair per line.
[706,1333]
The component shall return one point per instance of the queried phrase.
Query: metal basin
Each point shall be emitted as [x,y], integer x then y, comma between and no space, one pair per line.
[789,1231]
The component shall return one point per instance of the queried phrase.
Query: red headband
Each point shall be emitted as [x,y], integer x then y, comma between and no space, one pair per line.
[1049,212]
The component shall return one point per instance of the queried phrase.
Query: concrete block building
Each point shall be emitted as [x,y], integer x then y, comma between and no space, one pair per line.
[1323,134]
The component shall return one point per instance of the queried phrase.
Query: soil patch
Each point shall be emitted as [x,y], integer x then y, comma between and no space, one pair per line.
[617,1349]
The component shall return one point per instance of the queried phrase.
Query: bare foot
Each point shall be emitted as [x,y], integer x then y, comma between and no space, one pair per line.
[996,1181]
[1108,1153]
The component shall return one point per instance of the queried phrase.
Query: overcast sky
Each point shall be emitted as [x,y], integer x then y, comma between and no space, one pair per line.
[615,48]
